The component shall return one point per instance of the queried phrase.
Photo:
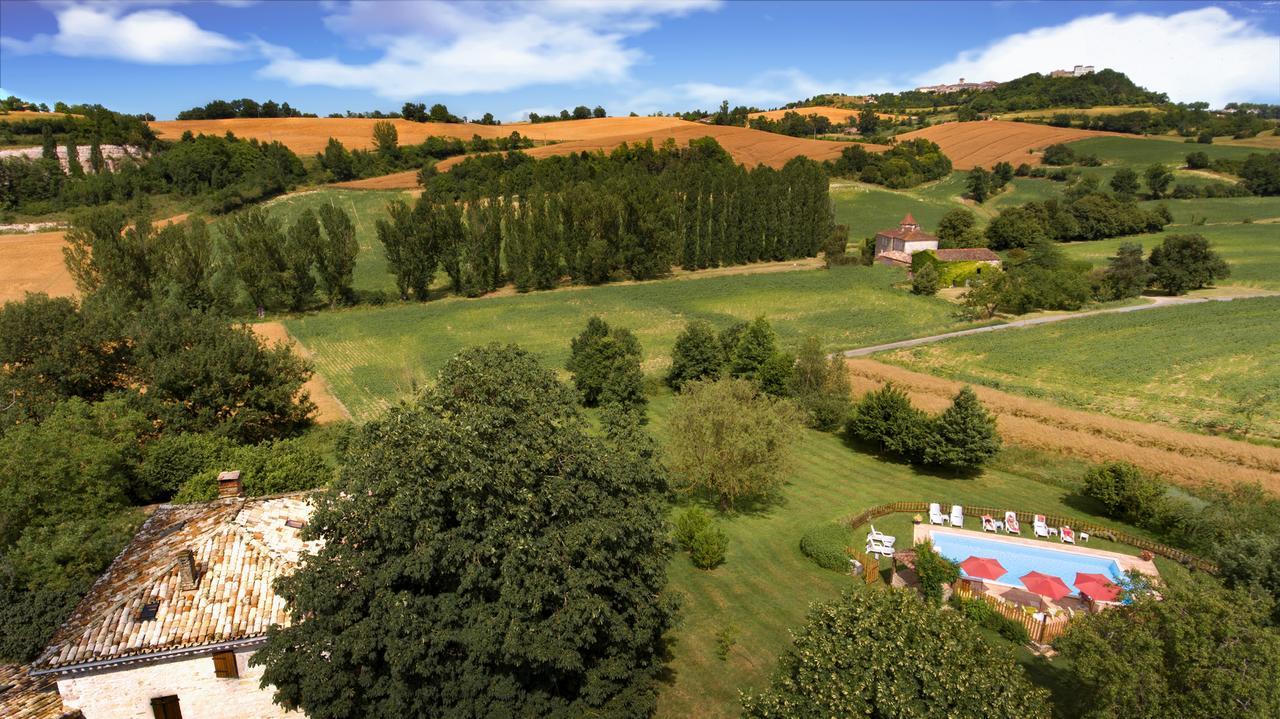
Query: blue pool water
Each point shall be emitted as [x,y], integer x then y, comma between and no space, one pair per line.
[1018,559]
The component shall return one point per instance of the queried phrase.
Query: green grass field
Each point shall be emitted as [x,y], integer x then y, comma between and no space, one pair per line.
[765,587]
[866,209]
[371,356]
[1220,209]
[1252,250]
[1193,366]
[1139,151]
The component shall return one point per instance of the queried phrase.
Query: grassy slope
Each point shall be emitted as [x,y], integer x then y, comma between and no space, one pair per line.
[766,585]
[1145,151]
[1252,250]
[372,356]
[1179,366]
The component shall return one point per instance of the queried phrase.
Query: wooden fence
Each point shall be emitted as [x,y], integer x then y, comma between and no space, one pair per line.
[1042,631]
[870,565]
[1028,518]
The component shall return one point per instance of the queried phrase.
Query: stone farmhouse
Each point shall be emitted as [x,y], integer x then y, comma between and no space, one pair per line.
[1077,71]
[168,630]
[894,247]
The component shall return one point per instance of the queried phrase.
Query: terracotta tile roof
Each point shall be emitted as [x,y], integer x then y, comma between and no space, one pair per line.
[908,235]
[909,220]
[894,257]
[239,547]
[967,254]
[23,696]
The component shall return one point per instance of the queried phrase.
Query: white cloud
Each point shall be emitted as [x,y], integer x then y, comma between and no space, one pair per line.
[1205,54]
[150,36]
[449,48]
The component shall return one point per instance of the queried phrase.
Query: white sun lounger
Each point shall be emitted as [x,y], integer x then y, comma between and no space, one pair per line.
[1068,535]
[878,548]
[1011,523]
[935,514]
[1041,529]
[885,539]
[988,524]
[957,515]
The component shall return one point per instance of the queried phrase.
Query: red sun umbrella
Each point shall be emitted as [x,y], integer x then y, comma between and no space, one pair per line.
[1097,586]
[1046,585]
[983,568]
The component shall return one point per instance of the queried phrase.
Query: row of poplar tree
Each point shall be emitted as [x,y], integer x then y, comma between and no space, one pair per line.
[594,218]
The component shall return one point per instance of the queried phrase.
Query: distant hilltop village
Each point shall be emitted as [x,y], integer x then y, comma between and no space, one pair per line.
[1077,71]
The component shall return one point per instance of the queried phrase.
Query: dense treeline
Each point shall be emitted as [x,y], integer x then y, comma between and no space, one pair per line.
[389,155]
[83,123]
[906,164]
[245,107]
[1033,92]
[633,213]
[793,124]
[224,173]
[1189,120]
[581,112]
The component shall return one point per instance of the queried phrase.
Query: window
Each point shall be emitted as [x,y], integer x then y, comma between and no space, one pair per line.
[166,707]
[148,611]
[224,665]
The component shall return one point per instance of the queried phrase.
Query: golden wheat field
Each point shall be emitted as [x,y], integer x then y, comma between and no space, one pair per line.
[973,144]
[1190,459]
[834,114]
[748,147]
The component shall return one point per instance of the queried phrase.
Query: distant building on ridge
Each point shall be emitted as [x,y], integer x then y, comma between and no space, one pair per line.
[1077,71]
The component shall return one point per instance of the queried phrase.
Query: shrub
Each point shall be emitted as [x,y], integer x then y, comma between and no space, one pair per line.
[688,524]
[725,639]
[708,547]
[268,468]
[933,571]
[825,544]
[886,419]
[697,354]
[925,281]
[176,458]
[1058,154]
[981,613]
[1197,160]
[1124,492]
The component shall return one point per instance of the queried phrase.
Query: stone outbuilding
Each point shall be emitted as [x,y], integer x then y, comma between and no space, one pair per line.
[168,630]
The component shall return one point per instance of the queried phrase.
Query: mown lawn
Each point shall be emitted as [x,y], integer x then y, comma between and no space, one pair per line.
[866,209]
[765,587]
[1252,249]
[372,356]
[1194,366]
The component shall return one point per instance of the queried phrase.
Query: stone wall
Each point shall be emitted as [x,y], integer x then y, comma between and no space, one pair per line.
[126,692]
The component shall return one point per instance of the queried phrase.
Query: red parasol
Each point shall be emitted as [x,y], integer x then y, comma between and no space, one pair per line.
[1097,586]
[983,568]
[1046,585]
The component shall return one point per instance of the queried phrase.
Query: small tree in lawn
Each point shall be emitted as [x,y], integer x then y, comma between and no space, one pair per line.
[1127,273]
[985,293]
[820,386]
[964,436]
[1185,262]
[697,354]
[605,364]
[978,184]
[1125,182]
[925,280]
[754,347]
[336,258]
[885,419]
[885,653]
[1158,179]
[730,442]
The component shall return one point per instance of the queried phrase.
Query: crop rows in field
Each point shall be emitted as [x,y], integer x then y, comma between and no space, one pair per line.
[1190,459]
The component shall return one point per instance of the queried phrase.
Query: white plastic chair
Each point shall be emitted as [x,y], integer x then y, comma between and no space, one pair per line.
[1011,523]
[935,514]
[1041,529]
[1067,534]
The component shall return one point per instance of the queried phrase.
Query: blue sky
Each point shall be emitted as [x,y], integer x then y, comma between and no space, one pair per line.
[163,56]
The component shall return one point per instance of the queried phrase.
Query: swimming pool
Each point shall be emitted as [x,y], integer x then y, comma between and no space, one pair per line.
[1019,559]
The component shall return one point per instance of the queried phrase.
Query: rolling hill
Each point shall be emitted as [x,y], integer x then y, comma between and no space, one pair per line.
[970,144]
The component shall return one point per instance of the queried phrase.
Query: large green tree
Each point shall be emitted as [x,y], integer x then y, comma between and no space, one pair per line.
[731,442]
[885,419]
[1198,651]
[820,386]
[1185,262]
[490,556]
[887,654]
[1158,179]
[1127,273]
[336,253]
[605,364]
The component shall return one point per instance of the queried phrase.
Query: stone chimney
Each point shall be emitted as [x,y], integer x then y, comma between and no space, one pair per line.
[229,484]
[186,569]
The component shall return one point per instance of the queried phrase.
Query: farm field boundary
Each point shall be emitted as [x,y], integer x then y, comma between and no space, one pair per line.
[1182,457]
[328,407]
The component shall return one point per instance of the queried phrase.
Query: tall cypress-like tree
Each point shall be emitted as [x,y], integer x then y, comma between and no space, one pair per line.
[48,148]
[496,558]
[97,162]
[300,249]
[74,168]
[336,255]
